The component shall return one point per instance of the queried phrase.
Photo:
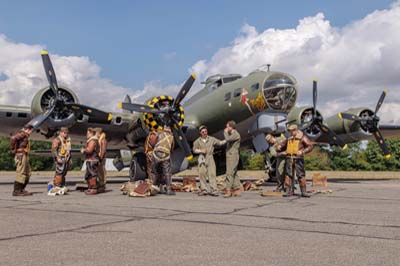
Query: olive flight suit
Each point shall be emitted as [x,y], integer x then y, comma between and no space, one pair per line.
[232,180]
[207,169]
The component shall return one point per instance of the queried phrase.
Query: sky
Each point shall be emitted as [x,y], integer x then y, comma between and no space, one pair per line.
[150,47]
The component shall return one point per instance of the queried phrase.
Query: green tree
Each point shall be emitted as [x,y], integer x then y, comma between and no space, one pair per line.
[38,163]
[318,159]
[378,162]
[6,158]
[256,162]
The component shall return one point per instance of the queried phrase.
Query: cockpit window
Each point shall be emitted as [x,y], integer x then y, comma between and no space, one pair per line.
[230,79]
[255,86]
[274,82]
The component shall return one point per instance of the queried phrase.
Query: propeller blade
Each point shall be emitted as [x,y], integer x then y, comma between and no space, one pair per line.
[381,142]
[38,120]
[335,139]
[379,104]
[181,139]
[182,142]
[95,115]
[141,108]
[315,98]
[49,70]
[184,90]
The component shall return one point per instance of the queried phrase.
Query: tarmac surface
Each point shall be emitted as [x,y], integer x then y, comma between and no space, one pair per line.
[357,224]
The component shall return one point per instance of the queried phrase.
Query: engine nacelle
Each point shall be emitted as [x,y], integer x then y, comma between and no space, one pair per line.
[61,116]
[301,116]
[344,126]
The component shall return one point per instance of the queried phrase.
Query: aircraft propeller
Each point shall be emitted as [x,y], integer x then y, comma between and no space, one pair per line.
[168,111]
[316,121]
[371,124]
[58,103]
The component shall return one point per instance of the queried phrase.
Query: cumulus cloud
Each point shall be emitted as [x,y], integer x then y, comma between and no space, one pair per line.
[22,76]
[353,64]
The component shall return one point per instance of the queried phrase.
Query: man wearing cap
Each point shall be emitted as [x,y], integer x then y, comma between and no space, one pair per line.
[101,136]
[20,148]
[162,157]
[204,147]
[294,148]
[274,142]
[232,181]
[91,153]
[61,150]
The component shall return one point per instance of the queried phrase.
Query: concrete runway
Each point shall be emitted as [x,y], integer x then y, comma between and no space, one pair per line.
[358,224]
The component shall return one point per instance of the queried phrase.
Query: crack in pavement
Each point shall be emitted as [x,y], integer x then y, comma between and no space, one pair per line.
[66,230]
[362,198]
[286,229]
[180,212]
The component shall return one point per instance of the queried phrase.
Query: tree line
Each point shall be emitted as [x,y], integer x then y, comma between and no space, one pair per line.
[38,163]
[354,158]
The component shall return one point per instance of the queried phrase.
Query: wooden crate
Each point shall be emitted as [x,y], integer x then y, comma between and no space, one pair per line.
[319,180]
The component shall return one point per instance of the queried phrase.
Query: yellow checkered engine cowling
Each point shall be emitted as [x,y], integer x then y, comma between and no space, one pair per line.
[150,119]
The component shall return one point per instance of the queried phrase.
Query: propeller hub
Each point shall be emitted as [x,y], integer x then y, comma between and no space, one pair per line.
[168,115]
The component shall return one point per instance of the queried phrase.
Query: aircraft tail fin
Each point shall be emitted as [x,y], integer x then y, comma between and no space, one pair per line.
[127,99]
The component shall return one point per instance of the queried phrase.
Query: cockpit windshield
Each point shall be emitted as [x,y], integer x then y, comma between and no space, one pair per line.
[280,92]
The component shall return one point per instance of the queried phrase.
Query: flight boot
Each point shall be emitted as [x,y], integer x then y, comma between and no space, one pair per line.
[236,193]
[288,187]
[26,193]
[17,189]
[303,189]
[169,191]
[213,193]
[227,193]
[92,182]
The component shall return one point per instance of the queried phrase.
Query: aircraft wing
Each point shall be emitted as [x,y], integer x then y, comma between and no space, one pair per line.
[13,118]
[390,131]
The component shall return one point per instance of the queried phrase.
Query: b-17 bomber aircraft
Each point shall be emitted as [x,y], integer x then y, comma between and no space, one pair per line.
[262,102]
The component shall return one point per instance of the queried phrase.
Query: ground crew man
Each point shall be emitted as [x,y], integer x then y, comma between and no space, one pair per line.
[61,150]
[91,152]
[20,148]
[162,157]
[294,149]
[204,146]
[101,136]
[274,142]
[149,145]
[232,181]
